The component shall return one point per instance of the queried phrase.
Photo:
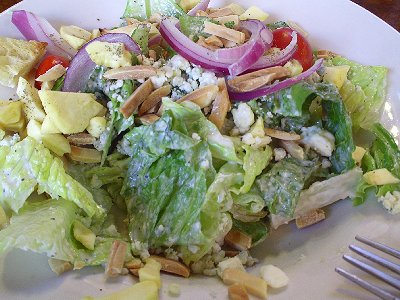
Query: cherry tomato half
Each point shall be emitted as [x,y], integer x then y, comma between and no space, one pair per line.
[303,54]
[49,62]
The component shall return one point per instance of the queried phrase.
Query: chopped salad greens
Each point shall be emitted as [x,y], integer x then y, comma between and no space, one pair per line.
[191,134]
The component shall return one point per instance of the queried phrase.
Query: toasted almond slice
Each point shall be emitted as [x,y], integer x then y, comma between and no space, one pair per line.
[132,21]
[172,266]
[293,149]
[116,259]
[214,41]
[237,291]
[52,74]
[135,263]
[325,54]
[201,41]
[152,54]
[203,97]
[221,105]
[137,98]
[131,72]
[312,217]
[282,135]
[255,74]
[224,32]
[253,284]
[231,253]
[134,272]
[228,19]
[155,18]
[59,266]
[84,155]
[228,43]
[201,13]
[238,240]
[154,98]
[81,139]
[149,119]
[220,12]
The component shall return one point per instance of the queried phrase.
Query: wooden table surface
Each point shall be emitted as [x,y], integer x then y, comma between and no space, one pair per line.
[388,10]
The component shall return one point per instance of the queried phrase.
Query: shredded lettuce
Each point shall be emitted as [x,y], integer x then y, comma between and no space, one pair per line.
[144,9]
[29,165]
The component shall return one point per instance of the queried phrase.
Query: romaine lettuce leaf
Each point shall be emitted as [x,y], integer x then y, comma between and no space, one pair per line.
[144,9]
[257,230]
[29,165]
[281,186]
[364,92]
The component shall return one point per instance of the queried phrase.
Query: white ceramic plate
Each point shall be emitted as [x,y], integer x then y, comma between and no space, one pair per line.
[308,256]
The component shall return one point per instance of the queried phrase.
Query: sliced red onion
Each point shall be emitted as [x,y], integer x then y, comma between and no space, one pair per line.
[241,57]
[155,40]
[202,5]
[273,88]
[279,59]
[39,29]
[82,66]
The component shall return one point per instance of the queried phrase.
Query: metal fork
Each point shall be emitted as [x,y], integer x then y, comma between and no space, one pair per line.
[393,281]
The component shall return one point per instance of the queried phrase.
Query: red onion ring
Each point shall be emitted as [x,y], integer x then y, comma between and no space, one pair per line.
[39,29]
[273,88]
[82,66]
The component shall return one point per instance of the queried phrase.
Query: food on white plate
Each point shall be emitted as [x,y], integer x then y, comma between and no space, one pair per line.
[205,127]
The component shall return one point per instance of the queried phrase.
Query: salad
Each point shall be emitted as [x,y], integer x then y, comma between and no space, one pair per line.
[179,139]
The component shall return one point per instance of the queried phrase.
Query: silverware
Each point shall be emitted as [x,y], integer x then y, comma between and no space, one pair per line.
[389,279]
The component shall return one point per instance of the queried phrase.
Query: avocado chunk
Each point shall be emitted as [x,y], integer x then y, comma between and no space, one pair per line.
[70,112]
[57,143]
[380,177]
[84,235]
[111,55]
[151,272]
[48,126]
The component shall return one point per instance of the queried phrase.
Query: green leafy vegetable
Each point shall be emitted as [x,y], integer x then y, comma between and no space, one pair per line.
[144,9]
[230,24]
[141,37]
[281,185]
[257,230]
[193,27]
[276,25]
[28,165]
[58,85]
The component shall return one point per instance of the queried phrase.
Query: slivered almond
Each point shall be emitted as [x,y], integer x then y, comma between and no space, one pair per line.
[172,266]
[201,13]
[201,41]
[238,240]
[135,263]
[221,105]
[282,135]
[293,149]
[134,272]
[220,12]
[237,291]
[325,54]
[228,43]
[132,21]
[214,41]
[59,266]
[155,18]
[224,32]
[131,72]
[154,98]
[149,119]
[203,97]
[254,80]
[231,253]
[81,139]
[116,259]
[152,54]
[227,19]
[253,284]
[312,217]
[137,98]
[85,155]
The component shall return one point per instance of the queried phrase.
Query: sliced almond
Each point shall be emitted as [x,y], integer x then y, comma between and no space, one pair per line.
[81,139]
[237,291]
[220,12]
[137,98]
[253,284]
[155,18]
[84,155]
[132,21]
[254,80]
[228,19]
[202,42]
[152,54]
[116,259]
[52,74]
[238,240]
[228,43]
[221,105]
[325,54]
[293,149]
[203,97]
[201,13]
[224,32]
[214,41]
[135,263]
[312,217]
[148,119]
[231,253]
[131,72]
[134,272]
[282,135]
[172,266]
[154,98]
[59,266]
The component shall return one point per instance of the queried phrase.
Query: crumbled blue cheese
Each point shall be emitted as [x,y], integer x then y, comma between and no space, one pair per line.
[243,117]
[279,154]
[391,201]
[10,140]
[320,140]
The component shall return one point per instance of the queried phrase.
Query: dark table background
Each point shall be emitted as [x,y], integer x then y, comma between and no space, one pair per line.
[388,10]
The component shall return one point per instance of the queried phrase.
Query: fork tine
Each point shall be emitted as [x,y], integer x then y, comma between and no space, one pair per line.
[366,285]
[376,258]
[373,271]
[379,246]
